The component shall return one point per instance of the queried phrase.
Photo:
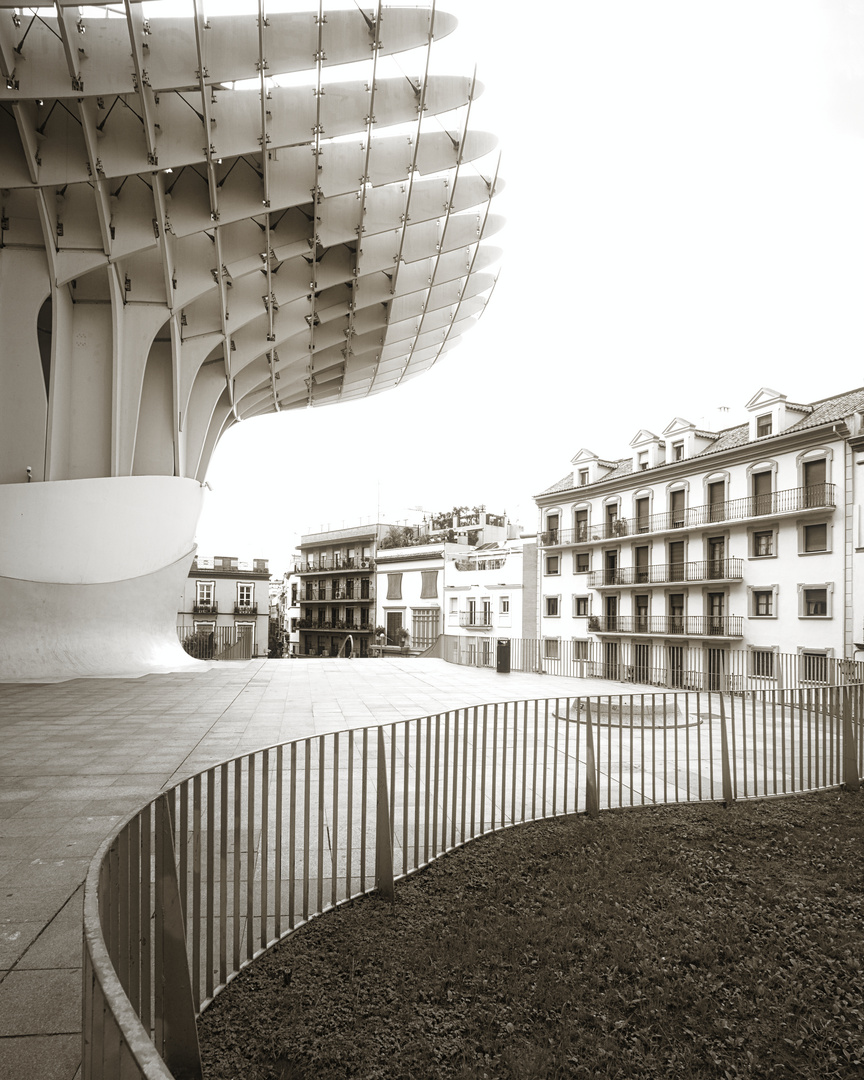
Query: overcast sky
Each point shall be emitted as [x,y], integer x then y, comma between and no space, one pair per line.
[685,224]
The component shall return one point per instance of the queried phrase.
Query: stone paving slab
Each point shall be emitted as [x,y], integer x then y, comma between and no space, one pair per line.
[80,756]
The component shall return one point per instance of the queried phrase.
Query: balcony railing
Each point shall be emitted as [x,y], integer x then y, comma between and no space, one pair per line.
[205,609]
[245,609]
[476,619]
[326,566]
[789,501]
[338,595]
[685,625]
[339,624]
[706,570]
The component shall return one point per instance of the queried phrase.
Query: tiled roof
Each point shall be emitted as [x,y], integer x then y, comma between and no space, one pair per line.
[819,412]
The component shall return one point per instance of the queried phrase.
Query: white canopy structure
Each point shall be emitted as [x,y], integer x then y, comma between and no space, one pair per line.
[187,243]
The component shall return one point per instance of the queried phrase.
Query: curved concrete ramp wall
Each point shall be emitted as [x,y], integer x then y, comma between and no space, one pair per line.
[91,572]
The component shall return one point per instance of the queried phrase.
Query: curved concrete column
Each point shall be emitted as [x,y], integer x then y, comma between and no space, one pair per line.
[91,574]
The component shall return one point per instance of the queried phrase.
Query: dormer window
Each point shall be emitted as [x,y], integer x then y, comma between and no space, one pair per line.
[583,477]
[643,460]
[678,451]
[763,425]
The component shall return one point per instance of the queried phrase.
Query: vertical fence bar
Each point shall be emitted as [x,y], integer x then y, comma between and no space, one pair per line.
[349,819]
[135,930]
[728,792]
[592,800]
[264,860]
[483,760]
[383,849]
[435,782]
[319,896]
[210,883]
[851,777]
[292,838]
[427,768]
[236,862]
[196,887]
[146,952]
[364,788]
[223,874]
[445,782]
[334,832]
[473,832]
[277,844]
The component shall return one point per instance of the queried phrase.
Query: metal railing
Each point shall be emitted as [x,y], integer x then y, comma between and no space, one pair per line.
[221,643]
[340,595]
[477,619]
[685,666]
[196,885]
[245,609]
[788,501]
[688,625]
[339,624]
[205,609]
[328,565]
[654,574]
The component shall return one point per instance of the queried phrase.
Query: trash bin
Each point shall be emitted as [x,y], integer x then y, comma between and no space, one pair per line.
[502,665]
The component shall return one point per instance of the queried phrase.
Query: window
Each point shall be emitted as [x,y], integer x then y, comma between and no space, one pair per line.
[581,562]
[454,604]
[580,607]
[429,584]
[813,538]
[815,603]
[245,594]
[583,477]
[394,586]
[814,667]
[580,648]
[762,663]
[676,508]
[763,426]
[642,519]
[504,605]
[551,648]
[763,544]
[551,528]
[581,519]
[678,451]
[204,593]
[762,603]
[643,460]
[424,627]
[553,564]
[553,606]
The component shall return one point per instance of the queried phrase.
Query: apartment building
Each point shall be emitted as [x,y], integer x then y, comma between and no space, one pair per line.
[485,597]
[700,542]
[228,598]
[418,567]
[337,590]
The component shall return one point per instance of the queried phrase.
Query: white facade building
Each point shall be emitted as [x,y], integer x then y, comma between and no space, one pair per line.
[484,597]
[702,543]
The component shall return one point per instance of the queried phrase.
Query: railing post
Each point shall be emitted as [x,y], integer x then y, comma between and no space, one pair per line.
[851,780]
[178,1044]
[592,799]
[383,843]
[728,792]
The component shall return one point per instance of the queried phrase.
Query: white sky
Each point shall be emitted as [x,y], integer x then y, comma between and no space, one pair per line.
[685,224]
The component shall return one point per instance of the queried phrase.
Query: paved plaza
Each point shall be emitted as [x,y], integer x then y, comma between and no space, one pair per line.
[80,756]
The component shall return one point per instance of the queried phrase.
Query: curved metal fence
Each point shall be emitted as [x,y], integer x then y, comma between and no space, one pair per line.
[197,884]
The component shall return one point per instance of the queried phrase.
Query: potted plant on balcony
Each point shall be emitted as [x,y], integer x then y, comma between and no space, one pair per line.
[402,637]
[593,623]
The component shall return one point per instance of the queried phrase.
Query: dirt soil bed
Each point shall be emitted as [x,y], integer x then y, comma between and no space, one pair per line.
[669,942]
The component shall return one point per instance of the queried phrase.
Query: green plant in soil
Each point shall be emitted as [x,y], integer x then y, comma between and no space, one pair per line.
[687,941]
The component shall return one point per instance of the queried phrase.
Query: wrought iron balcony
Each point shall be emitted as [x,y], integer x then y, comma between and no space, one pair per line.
[663,573]
[789,501]
[327,566]
[683,625]
[205,609]
[477,620]
[245,609]
[316,596]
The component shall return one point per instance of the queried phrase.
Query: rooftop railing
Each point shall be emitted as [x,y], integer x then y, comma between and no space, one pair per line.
[477,619]
[789,501]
